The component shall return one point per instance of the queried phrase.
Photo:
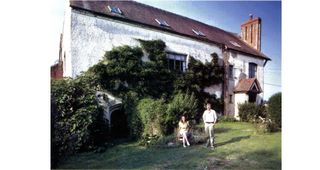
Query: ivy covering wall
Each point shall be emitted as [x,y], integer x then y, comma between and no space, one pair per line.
[123,73]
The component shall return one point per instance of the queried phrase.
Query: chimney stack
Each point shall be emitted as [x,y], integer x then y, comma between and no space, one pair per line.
[251,32]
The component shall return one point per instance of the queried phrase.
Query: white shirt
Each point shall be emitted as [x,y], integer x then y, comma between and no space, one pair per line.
[209,116]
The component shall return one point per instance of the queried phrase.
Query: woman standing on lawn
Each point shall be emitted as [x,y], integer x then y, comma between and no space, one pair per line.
[183,130]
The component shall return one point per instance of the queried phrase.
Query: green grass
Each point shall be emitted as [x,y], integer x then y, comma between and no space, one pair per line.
[238,147]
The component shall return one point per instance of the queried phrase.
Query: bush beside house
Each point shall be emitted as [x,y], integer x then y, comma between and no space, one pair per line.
[266,118]
[77,122]
[274,109]
[250,112]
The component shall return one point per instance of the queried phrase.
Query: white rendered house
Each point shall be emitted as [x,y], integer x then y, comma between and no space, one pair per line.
[93,27]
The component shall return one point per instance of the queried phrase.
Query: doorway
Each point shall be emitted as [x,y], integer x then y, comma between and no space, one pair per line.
[119,124]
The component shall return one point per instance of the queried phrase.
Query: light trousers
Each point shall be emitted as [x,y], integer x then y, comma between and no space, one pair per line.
[208,128]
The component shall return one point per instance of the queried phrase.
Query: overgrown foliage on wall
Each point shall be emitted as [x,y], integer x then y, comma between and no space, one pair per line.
[200,75]
[77,122]
[123,72]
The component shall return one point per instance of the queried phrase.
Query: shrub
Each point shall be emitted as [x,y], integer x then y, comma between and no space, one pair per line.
[266,126]
[182,104]
[250,112]
[227,119]
[75,116]
[274,109]
[151,113]
[130,101]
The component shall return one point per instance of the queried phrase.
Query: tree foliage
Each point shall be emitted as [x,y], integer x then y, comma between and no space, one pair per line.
[274,109]
[182,104]
[76,121]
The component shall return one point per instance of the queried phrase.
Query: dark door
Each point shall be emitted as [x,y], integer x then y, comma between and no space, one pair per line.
[119,124]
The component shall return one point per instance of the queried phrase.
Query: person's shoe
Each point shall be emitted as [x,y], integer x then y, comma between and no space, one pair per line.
[184,146]
[188,144]
[212,148]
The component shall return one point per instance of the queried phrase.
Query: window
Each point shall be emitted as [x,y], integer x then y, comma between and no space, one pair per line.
[230,98]
[162,23]
[230,71]
[199,33]
[233,54]
[115,10]
[252,70]
[177,62]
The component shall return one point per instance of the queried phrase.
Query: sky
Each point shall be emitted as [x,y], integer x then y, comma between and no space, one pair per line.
[227,15]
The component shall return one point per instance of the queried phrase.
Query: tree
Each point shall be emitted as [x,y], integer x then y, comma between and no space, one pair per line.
[274,108]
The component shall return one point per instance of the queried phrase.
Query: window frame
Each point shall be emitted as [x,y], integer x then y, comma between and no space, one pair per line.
[199,33]
[230,98]
[230,71]
[253,69]
[162,22]
[177,58]
[115,10]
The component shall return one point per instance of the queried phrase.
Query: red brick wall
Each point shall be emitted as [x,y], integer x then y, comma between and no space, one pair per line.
[57,71]
[251,33]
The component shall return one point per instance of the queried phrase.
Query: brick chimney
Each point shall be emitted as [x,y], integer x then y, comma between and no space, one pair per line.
[251,32]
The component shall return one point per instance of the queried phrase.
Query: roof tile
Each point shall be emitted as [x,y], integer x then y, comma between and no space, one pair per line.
[144,14]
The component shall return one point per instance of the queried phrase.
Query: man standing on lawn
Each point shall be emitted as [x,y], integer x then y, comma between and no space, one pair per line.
[209,118]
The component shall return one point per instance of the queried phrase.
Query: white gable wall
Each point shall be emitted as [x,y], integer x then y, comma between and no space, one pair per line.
[242,61]
[86,38]
[91,36]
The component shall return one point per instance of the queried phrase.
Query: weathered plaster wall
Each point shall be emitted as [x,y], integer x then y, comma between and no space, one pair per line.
[239,99]
[66,43]
[92,36]
[87,37]
[214,89]
[241,62]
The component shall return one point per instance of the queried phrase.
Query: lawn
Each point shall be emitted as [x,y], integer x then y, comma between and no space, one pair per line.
[238,147]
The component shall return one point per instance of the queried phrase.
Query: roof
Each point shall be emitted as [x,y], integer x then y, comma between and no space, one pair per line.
[143,14]
[248,85]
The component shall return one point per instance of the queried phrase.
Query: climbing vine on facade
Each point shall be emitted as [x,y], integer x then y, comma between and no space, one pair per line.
[123,73]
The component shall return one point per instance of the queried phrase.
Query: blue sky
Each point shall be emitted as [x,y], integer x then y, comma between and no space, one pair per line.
[227,15]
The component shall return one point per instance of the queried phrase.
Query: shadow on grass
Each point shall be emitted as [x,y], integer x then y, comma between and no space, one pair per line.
[221,130]
[260,159]
[232,140]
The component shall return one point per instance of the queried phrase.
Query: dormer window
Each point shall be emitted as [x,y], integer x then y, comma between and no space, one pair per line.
[162,23]
[199,33]
[235,44]
[115,10]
